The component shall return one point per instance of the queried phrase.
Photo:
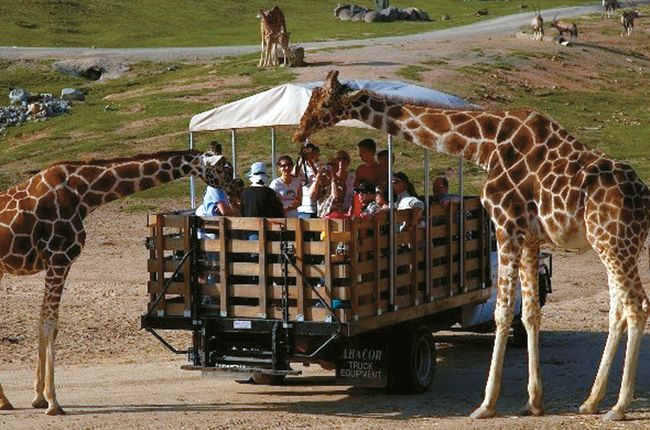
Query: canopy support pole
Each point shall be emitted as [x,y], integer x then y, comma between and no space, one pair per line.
[427,235]
[391,219]
[192,189]
[274,175]
[233,140]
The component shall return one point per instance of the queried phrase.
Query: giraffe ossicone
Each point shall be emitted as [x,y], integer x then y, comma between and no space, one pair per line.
[41,229]
[543,187]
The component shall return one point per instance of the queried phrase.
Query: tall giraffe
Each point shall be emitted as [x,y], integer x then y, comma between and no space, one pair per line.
[543,187]
[41,228]
[273,31]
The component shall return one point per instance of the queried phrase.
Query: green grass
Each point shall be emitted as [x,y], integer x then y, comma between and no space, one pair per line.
[167,23]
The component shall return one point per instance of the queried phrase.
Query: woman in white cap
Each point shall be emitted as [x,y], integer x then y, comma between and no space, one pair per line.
[259,200]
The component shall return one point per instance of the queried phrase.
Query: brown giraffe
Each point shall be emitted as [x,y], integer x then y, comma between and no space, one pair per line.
[543,187]
[41,228]
[273,29]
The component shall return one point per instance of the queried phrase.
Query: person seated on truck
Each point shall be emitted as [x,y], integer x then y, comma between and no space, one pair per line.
[258,200]
[406,198]
[287,187]
[343,180]
[306,169]
[441,194]
[379,202]
[369,170]
[382,162]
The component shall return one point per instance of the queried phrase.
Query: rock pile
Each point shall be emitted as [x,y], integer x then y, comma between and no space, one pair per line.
[26,107]
[353,12]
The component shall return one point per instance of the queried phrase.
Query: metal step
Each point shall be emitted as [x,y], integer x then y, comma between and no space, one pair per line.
[241,369]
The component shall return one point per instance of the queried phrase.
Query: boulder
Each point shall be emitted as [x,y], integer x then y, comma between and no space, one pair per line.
[339,7]
[72,94]
[389,14]
[372,16]
[358,17]
[445,18]
[345,14]
[18,96]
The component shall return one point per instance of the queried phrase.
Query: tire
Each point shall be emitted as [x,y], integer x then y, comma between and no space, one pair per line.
[413,362]
[266,379]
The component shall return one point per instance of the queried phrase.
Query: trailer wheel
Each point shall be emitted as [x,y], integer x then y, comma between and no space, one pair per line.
[266,379]
[413,362]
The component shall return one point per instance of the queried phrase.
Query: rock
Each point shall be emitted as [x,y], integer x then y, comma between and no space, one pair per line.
[34,108]
[18,96]
[389,14]
[445,18]
[72,94]
[345,14]
[372,16]
[298,56]
[481,12]
[358,17]
[339,8]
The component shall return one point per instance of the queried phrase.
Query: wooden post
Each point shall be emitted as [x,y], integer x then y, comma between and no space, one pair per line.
[415,253]
[354,259]
[160,262]
[328,262]
[300,284]
[223,270]
[450,248]
[187,272]
[262,266]
[377,256]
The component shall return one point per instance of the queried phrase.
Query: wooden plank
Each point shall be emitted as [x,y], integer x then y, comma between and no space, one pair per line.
[354,253]
[161,260]
[300,249]
[175,221]
[262,266]
[377,263]
[242,223]
[329,269]
[223,269]
[414,312]
[450,255]
[174,288]
[415,238]
[186,270]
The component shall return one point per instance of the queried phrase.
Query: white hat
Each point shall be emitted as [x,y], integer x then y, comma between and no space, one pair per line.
[257,173]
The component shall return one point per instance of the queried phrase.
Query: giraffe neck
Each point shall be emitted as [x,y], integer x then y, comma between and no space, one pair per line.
[100,182]
[471,133]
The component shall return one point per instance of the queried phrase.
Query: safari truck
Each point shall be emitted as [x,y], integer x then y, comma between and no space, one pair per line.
[361,296]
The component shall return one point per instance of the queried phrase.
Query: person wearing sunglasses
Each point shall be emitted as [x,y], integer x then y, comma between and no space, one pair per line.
[287,187]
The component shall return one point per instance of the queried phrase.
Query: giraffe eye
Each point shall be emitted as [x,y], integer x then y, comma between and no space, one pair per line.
[326,105]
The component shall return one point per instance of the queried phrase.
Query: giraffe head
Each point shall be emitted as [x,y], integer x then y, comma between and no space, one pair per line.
[327,106]
[212,170]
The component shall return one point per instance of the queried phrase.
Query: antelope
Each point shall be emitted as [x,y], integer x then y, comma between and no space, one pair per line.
[538,26]
[610,7]
[628,17]
[565,27]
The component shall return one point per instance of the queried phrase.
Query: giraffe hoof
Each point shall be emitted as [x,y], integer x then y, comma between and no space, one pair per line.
[588,409]
[614,415]
[6,406]
[482,412]
[39,404]
[55,410]
[529,410]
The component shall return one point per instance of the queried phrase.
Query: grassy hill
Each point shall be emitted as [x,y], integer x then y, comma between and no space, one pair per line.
[597,90]
[169,23]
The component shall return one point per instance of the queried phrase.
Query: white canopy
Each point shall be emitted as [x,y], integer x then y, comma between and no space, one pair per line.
[285,104]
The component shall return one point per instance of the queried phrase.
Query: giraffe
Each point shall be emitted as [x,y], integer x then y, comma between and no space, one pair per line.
[543,187]
[41,229]
[273,29]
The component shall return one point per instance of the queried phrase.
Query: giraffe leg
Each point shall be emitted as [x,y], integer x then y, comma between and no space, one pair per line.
[509,254]
[5,405]
[39,401]
[637,308]
[616,327]
[54,280]
[531,318]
